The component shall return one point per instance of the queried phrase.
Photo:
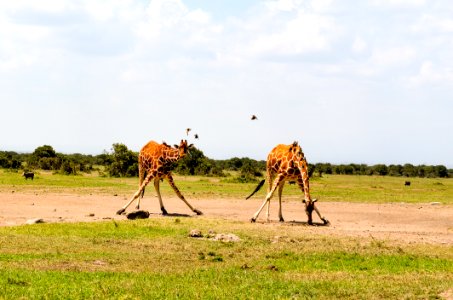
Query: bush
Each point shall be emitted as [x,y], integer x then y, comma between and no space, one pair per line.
[124,162]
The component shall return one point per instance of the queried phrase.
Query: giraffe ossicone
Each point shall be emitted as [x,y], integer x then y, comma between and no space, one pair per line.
[155,163]
[287,163]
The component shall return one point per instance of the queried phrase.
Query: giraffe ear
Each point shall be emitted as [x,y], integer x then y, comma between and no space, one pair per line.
[190,146]
[314,200]
[176,146]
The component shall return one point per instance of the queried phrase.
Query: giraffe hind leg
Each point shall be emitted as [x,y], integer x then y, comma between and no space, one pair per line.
[178,193]
[280,191]
[141,176]
[142,194]
[159,196]
[269,195]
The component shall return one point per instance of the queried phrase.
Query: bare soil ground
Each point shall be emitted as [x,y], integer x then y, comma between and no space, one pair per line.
[413,223]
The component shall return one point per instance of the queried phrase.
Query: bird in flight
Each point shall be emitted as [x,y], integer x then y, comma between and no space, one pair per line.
[196,136]
[188,130]
[254,117]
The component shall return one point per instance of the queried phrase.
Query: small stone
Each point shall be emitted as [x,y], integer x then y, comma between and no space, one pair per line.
[272,268]
[34,221]
[99,263]
[90,215]
[195,233]
[435,203]
[226,237]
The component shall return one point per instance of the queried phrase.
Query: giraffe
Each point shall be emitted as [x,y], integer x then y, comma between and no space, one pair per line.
[287,162]
[155,161]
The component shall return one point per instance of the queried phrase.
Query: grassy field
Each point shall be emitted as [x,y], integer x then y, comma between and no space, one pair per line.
[371,189]
[155,259]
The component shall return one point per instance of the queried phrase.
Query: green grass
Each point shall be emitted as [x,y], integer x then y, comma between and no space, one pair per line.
[155,258]
[371,189]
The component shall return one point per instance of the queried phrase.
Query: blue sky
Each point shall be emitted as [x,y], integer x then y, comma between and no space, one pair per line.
[352,81]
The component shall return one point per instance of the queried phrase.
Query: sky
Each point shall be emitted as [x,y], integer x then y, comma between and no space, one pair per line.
[352,81]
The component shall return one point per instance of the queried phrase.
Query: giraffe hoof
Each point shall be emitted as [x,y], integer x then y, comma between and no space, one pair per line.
[164,211]
[281,220]
[252,220]
[121,211]
[326,222]
[198,212]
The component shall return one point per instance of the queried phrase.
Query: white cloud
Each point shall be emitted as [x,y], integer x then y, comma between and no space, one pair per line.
[359,45]
[433,24]
[306,33]
[390,57]
[431,74]
[395,3]
[283,5]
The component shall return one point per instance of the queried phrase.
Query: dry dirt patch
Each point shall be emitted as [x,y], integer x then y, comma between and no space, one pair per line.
[421,223]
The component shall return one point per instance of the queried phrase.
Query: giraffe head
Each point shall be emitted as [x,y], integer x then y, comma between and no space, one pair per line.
[309,208]
[183,148]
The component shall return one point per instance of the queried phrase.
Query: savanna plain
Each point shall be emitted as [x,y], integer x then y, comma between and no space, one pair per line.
[385,241]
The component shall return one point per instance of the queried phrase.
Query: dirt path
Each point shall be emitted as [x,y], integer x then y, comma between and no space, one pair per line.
[420,223]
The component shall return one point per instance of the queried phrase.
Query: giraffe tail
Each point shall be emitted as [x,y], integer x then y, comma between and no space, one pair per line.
[257,189]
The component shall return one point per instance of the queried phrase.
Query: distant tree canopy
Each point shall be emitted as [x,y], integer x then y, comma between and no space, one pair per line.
[406,170]
[122,162]
[10,160]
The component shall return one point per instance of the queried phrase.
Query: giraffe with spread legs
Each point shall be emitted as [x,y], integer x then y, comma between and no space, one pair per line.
[287,163]
[155,162]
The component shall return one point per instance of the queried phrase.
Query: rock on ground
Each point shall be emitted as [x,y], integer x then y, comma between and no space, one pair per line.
[139,214]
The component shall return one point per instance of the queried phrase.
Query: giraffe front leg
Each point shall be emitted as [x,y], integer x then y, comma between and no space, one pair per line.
[268,213]
[326,222]
[178,193]
[136,195]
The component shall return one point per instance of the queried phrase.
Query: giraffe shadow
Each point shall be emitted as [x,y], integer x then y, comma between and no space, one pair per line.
[171,215]
[301,223]
[296,223]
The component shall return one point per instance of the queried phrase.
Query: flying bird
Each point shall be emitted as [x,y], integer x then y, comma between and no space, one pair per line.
[196,136]
[254,117]
[188,130]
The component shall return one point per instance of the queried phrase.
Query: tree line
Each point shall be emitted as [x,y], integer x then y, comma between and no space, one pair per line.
[123,162]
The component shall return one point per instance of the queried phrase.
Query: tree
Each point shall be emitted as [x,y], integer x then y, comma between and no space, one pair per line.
[441,171]
[409,170]
[124,162]
[380,169]
[190,164]
[44,157]
[44,151]
[10,160]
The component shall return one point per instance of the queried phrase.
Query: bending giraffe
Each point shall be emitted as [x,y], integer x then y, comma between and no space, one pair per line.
[154,163]
[287,162]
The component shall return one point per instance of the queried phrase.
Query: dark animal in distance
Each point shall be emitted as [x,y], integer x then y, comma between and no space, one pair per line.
[407,183]
[28,175]
[254,118]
